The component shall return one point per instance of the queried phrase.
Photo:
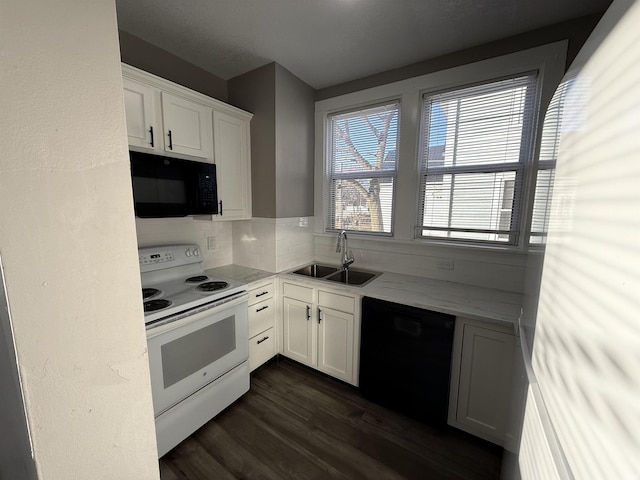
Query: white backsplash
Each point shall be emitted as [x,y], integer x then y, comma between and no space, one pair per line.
[196,230]
[273,244]
[277,245]
[503,270]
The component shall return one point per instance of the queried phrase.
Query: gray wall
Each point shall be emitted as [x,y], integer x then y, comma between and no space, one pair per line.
[281,140]
[576,31]
[138,53]
[295,108]
[15,449]
[255,92]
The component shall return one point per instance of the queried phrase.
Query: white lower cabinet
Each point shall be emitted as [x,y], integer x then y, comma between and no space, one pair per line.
[262,328]
[481,379]
[319,329]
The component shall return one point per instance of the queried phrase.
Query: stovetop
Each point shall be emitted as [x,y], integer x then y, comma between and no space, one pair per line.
[173,281]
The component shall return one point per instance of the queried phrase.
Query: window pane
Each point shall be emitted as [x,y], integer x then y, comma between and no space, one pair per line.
[475,142]
[363,204]
[473,201]
[549,146]
[541,206]
[361,167]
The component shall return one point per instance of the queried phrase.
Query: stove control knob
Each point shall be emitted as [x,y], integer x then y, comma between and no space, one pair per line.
[188,252]
[196,252]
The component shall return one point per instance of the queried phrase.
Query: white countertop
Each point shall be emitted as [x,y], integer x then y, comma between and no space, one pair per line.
[447,297]
[241,274]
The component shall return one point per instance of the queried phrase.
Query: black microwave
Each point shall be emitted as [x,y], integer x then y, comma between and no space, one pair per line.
[172,187]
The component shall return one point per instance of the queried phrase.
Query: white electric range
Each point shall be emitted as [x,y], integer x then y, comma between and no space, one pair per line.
[197,335]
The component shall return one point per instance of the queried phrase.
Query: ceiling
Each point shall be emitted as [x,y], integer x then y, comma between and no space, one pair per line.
[328,42]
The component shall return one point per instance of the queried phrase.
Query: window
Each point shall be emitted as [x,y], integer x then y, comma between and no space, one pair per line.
[362,164]
[547,164]
[475,143]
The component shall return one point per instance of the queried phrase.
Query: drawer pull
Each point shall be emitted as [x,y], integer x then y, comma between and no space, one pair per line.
[260,341]
[260,294]
[262,308]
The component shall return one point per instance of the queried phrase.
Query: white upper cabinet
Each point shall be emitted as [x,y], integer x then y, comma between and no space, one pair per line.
[144,124]
[231,135]
[187,126]
[167,119]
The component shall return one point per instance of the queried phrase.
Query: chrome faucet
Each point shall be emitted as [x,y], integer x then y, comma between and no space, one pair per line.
[347,255]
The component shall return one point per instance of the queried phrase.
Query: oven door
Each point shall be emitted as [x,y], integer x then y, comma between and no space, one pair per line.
[187,354]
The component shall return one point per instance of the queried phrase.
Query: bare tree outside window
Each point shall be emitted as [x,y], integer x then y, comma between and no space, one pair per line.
[362,169]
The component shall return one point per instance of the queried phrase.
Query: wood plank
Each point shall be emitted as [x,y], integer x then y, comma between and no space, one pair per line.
[297,423]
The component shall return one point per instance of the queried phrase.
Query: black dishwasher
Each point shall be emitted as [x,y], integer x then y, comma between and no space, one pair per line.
[405,359]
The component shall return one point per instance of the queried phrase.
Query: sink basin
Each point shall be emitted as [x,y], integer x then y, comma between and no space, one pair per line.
[353,277]
[316,270]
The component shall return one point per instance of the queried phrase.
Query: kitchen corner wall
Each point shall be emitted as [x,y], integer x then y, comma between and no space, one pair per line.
[271,244]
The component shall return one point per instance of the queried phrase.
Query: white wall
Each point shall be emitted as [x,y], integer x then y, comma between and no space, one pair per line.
[195,230]
[68,242]
[273,244]
[587,336]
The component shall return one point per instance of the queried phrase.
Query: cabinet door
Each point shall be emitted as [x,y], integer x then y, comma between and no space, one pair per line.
[335,343]
[298,331]
[486,368]
[187,127]
[231,143]
[144,128]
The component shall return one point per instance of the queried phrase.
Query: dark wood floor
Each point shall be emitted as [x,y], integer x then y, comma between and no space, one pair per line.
[299,424]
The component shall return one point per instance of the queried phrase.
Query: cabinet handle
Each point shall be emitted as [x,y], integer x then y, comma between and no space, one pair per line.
[262,308]
[151,132]
[220,202]
[261,294]
[260,341]
[319,315]
[308,313]
[170,141]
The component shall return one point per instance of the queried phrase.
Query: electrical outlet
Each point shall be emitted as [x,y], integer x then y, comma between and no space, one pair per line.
[445,264]
[211,243]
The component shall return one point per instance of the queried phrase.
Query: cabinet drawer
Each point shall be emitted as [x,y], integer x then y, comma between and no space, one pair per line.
[261,348]
[304,294]
[337,302]
[263,292]
[261,316]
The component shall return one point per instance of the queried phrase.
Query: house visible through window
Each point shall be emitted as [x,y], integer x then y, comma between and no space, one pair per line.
[475,143]
[361,169]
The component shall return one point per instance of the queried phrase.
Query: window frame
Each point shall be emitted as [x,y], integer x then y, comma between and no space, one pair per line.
[522,168]
[548,59]
[330,176]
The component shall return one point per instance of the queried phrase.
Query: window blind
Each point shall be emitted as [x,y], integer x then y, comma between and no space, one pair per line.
[549,145]
[475,142]
[361,169]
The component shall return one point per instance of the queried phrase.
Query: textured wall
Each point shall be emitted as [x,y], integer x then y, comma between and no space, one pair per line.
[68,242]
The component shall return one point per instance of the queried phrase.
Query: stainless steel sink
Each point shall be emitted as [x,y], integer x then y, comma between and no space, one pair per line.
[316,270]
[353,276]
